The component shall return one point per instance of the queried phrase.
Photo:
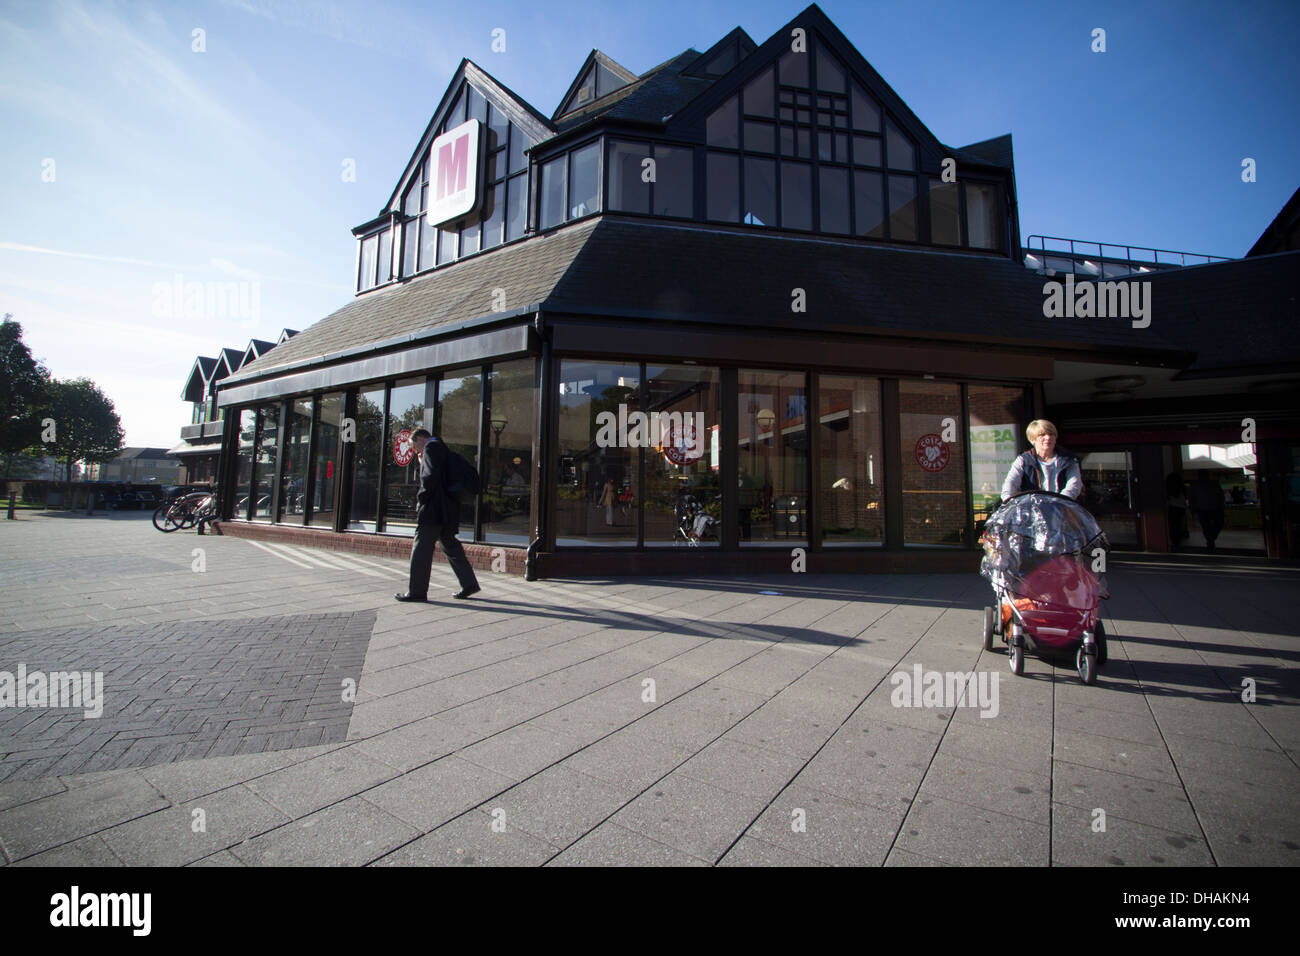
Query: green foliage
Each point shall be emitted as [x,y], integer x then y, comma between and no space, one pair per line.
[86,425]
[24,394]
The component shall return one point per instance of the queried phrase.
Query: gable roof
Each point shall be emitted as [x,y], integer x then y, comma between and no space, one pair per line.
[719,59]
[518,110]
[200,375]
[1283,232]
[595,59]
[256,348]
[658,93]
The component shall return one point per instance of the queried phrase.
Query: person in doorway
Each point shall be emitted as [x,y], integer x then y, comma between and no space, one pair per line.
[1043,468]
[437,518]
[1205,499]
[607,501]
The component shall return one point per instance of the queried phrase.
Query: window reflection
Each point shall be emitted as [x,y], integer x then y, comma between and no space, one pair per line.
[683,500]
[507,479]
[773,457]
[293,483]
[325,470]
[852,478]
[597,482]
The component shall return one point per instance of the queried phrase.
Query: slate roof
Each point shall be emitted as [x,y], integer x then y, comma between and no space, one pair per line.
[661,91]
[1237,314]
[625,268]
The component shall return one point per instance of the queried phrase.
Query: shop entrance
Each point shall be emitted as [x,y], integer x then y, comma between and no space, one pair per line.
[1213,498]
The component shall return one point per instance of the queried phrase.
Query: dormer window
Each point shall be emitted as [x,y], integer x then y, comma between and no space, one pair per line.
[598,79]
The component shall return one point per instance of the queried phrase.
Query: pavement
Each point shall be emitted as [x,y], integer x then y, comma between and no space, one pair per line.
[264,704]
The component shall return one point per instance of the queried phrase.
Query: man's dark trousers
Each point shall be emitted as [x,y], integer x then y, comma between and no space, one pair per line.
[422,558]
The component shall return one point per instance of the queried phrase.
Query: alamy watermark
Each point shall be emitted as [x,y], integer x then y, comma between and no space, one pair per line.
[922,688]
[1099,300]
[652,430]
[181,299]
[58,689]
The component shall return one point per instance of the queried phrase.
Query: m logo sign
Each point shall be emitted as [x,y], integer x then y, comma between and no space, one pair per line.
[453,176]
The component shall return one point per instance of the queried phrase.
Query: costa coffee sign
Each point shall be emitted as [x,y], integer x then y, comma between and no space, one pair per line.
[454,173]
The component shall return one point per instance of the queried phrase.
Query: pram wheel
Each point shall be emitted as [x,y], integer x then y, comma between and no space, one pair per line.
[989,618]
[1016,656]
[1086,664]
[1101,644]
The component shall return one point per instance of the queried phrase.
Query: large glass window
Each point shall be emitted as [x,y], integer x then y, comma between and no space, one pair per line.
[773,457]
[552,191]
[297,445]
[369,254]
[628,190]
[997,420]
[460,395]
[244,454]
[268,436]
[902,208]
[869,204]
[851,483]
[724,187]
[597,485]
[584,181]
[507,480]
[945,215]
[983,220]
[367,457]
[406,413]
[934,468]
[325,470]
[760,191]
[683,499]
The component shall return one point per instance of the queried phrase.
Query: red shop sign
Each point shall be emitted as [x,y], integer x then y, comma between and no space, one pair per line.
[932,453]
[684,449]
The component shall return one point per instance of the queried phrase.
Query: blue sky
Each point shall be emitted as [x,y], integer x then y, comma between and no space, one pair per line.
[226,165]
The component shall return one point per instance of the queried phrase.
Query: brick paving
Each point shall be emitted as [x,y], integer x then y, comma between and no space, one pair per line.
[519,728]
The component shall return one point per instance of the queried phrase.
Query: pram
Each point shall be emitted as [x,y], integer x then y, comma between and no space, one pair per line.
[694,523]
[1044,555]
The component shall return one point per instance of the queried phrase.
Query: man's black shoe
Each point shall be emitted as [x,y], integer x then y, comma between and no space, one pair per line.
[466,592]
[410,597]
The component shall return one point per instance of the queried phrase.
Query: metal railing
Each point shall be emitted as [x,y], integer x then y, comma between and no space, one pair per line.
[1104,260]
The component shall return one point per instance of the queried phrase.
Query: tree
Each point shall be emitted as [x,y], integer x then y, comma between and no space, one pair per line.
[24,394]
[86,428]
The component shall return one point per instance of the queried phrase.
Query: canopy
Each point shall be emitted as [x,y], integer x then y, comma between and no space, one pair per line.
[1031,528]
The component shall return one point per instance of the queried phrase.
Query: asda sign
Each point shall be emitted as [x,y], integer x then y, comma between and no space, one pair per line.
[992,453]
[454,170]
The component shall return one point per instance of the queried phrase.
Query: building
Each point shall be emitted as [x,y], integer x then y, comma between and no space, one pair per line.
[140,466]
[200,446]
[741,312]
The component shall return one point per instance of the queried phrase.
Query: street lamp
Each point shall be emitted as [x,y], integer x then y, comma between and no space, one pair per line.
[498,423]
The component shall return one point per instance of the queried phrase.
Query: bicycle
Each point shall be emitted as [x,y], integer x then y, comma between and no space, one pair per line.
[186,511]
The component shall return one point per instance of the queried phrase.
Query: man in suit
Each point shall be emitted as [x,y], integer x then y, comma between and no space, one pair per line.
[437,518]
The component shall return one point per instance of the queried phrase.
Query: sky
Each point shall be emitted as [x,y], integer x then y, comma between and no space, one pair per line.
[140,155]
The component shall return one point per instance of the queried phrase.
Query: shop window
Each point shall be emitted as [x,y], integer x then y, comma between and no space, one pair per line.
[460,396]
[934,467]
[597,485]
[406,413]
[850,492]
[683,499]
[367,457]
[507,479]
[997,420]
[983,220]
[1108,493]
[244,454]
[325,457]
[297,447]
[772,457]
[268,435]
